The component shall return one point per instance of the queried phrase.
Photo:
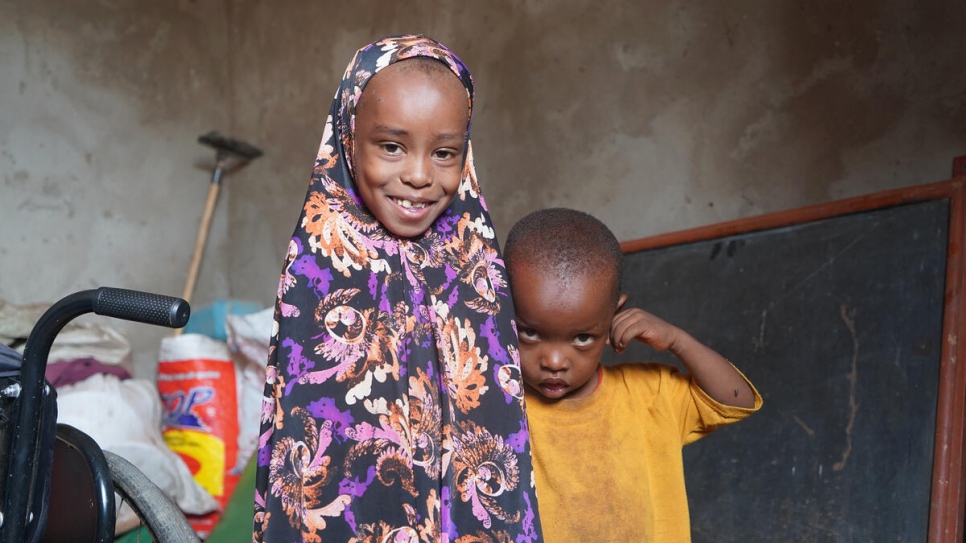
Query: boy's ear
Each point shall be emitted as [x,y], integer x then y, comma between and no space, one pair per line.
[621,300]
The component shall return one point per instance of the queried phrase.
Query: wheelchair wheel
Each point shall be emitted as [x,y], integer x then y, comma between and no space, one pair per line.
[157,512]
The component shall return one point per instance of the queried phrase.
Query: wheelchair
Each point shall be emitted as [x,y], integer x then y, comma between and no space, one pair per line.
[57,484]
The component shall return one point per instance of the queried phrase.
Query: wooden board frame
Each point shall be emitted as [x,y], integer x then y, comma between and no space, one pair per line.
[947,502]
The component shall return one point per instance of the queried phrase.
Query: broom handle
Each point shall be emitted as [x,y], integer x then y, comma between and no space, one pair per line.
[189,286]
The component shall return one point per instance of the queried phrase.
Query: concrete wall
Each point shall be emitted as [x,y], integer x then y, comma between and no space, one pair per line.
[653,115]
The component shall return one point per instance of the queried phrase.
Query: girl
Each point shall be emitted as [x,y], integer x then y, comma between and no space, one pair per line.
[393,404]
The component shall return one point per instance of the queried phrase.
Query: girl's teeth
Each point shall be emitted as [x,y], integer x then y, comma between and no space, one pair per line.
[408,204]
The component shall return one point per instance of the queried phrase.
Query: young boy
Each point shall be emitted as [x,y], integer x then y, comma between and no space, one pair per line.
[607,441]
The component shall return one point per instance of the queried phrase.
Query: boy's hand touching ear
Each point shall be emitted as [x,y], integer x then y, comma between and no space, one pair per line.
[634,323]
[713,373]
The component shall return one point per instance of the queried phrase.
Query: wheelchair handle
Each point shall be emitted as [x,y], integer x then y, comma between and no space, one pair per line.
[134,305]
[119,303]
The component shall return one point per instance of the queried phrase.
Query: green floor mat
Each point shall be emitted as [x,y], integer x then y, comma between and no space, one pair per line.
[236,522]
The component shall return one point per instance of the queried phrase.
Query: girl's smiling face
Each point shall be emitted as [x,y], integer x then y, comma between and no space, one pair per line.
[410,134]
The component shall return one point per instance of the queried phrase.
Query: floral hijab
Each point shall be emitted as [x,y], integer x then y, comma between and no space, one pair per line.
[393,406]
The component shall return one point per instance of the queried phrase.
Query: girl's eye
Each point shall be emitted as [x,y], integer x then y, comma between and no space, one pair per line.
[583,340]
[528,334]
[445,154]
[391,148]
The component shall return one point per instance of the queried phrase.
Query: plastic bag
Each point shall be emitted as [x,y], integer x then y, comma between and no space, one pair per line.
[198,386]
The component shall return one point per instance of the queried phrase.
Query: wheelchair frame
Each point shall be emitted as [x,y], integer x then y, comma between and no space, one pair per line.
[84,478]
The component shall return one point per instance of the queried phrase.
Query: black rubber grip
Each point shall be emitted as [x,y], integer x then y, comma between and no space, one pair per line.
[134,305]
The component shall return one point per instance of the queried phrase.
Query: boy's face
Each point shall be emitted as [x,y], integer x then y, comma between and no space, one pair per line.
[563,327]
[410,131]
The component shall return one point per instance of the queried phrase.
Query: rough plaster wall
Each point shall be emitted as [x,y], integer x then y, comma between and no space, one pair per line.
[653,115]
[101,180]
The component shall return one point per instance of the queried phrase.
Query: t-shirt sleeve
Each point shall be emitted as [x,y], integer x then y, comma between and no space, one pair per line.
[705,415]
[664,389]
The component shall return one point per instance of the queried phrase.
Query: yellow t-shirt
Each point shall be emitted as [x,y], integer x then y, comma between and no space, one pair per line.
[609,466]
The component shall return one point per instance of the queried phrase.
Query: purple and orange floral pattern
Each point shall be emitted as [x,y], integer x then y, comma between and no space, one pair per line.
[393,409]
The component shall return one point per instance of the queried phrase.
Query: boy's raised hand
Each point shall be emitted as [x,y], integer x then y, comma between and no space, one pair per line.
[713,373]
[636,324]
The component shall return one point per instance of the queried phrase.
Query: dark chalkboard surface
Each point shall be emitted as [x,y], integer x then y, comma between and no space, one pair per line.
[839,321]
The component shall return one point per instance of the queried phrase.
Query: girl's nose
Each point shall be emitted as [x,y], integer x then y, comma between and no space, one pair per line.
[418,172]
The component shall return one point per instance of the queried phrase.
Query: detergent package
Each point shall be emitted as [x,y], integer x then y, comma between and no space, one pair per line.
[198,386]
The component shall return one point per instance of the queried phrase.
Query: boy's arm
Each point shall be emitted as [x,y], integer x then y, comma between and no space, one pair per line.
[715,375]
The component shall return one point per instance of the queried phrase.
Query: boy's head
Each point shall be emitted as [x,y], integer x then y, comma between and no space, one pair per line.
[565,269]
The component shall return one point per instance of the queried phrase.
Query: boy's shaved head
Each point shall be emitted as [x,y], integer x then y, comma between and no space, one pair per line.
[566,244]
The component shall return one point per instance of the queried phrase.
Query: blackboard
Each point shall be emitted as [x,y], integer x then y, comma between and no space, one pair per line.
[844,318]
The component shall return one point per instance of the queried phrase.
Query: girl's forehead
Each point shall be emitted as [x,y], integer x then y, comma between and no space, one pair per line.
[411,78]
[417,70]
[436,71]
[408,95]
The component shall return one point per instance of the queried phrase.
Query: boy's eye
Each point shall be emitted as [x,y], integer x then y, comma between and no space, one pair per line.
[528,334]
[583,340]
